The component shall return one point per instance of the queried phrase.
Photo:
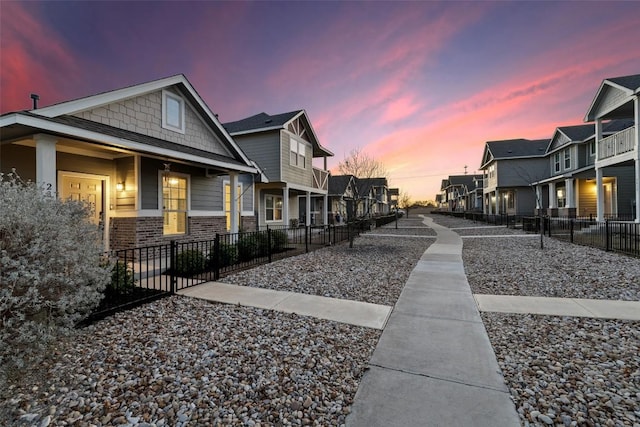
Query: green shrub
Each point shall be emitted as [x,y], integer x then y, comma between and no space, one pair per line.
[279,240]
[248,247]
[228,256]
[122,280]
[189,262]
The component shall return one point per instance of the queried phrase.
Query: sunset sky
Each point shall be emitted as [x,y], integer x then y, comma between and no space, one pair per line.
[420,86]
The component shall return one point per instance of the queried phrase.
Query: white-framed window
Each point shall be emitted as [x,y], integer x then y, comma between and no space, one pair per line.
[561,196]
[592,149]
[273,208]
[174,204]
[556,162]
[567,159]
[227,203]
[172,112]
[298,153]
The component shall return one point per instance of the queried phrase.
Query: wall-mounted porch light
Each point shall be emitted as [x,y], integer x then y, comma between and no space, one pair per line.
[120,186]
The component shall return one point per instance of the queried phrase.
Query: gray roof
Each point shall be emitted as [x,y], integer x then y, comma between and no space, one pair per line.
[578,132]
[80,123]
[630,82]
[338,184]
[260,121]
[518,148]
[463,180]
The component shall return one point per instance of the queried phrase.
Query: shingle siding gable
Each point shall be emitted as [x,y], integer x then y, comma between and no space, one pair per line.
[143,115]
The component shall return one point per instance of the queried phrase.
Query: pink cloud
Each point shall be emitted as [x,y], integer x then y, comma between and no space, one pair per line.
[33,60]
[399,109]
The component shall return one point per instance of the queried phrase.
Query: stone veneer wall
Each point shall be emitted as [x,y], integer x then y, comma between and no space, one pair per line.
[248,223]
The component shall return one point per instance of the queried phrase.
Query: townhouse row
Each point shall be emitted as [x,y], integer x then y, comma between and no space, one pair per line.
[587,170]
[155,164]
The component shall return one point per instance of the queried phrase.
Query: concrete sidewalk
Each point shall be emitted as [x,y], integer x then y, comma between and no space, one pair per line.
[434,364]
[603,309]
[345,311]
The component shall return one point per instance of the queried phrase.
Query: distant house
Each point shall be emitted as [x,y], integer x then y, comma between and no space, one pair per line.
[617,156]
[291,190]
[462,193]
[342,194]
[510,167]
[152,160]
[373,197]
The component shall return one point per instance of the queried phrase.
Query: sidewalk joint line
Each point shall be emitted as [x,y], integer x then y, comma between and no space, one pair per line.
[433,377]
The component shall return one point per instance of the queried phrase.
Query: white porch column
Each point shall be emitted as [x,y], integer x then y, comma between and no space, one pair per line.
[235,215]
[538,197]
[325,209]
[599,195]
[308,208]
[46,161]
[285,206]
[571,198]
[636,117]
[553,200]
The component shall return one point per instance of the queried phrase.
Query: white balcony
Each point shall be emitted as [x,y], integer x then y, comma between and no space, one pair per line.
[617,144]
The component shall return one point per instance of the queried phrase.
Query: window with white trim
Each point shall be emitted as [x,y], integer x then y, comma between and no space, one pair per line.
[172,112]
[174,204]
[561,196]
[556,162]
[273,208]
[567,159]
[298,153]
[592,149]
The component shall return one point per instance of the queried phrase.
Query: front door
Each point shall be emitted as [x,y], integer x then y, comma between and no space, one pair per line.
[87,189]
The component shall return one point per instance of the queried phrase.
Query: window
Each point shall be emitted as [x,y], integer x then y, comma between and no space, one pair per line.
[174,204]
[273,207]
[592,149]
[227,203]
[172,112]
[567,159]
[556,162]
[561,196]
[298,154]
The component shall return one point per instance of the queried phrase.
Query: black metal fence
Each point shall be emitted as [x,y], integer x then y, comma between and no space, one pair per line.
[147,273]
[609,235]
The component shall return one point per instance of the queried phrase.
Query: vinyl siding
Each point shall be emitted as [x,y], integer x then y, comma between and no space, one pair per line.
[264,149]
[294,174]
[610,98]
[23,159]
[143,114]
[82,164]
[125,172]
[149,183]
[586,196]
[625,176]
[521,172]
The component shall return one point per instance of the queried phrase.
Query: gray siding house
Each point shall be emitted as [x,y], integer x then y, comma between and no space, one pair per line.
[291,190]
[509,168]
[152,161]
[617,161]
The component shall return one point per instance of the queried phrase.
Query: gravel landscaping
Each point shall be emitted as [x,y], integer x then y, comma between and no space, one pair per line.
[180,361]
[562,371]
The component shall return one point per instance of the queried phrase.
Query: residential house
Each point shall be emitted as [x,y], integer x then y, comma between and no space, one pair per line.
[617,162]
[462,193]
[510,167]
[291,191]
[373,196]
[152,160]
[570,191]
[342,194]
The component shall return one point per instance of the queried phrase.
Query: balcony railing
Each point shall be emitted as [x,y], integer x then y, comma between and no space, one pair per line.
[616,144]
[320,179]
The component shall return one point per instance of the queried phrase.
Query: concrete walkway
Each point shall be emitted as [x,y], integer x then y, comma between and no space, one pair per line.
[344,311]
[603,309]
[434,364]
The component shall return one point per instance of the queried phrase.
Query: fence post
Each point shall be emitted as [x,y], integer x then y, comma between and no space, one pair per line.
[306,238]
[607,237]
[269,243]
[216,258]
[571,230]
[172,268]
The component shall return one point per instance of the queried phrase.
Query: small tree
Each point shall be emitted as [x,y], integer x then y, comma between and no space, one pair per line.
[52,271]
[363,167]
[404,201]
